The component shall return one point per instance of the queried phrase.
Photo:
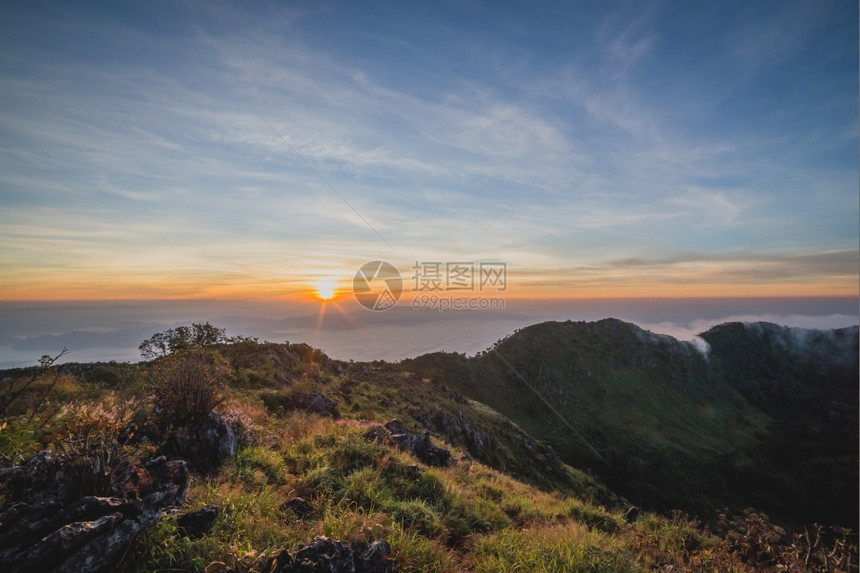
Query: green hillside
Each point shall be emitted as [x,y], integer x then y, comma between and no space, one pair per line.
[479,474]
[671,427]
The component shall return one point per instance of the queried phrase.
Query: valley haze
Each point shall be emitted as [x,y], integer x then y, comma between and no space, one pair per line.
[112,330]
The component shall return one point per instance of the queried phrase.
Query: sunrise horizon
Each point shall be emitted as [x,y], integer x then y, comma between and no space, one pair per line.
[541,284]
[429,286]
[492,164]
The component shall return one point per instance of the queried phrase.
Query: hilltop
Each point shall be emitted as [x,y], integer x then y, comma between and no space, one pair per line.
[760,415]
[528,456]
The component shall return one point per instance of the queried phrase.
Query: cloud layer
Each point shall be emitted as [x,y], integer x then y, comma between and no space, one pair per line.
[113,330]
[205,149]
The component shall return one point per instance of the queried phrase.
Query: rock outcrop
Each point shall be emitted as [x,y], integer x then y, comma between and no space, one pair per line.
[199,523]
[204,446]
[315,402]
[421,447]
[78,513]
[458,431]
[299,506]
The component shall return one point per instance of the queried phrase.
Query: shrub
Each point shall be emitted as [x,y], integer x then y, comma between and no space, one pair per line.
[823,550]
[11,390]
[92,421]
[188,386]
[757,541]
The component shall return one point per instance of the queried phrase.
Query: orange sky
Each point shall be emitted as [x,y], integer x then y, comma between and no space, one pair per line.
[621,283]
[260,159]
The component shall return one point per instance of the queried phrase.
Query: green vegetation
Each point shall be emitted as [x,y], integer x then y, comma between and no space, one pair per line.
[13,390]
[759,422]
[509,504]
[198,335]
[188,385]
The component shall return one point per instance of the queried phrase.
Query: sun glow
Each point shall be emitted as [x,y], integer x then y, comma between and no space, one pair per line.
[326,289]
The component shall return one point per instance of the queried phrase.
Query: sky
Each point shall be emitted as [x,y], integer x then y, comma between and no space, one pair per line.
[154,151]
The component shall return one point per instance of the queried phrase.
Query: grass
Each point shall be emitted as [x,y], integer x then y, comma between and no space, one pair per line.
[653,410]
[507,513]
[436,519]
[571,546]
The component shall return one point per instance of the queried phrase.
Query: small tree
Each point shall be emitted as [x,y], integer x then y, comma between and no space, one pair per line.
[205,334]
[155,346]
[198,335]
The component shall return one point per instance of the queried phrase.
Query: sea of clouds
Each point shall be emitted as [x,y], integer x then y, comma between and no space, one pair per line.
[104,331]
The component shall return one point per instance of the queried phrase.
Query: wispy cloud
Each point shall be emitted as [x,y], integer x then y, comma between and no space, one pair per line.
[598,137]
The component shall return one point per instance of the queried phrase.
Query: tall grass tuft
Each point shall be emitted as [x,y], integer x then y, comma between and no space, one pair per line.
[188,385]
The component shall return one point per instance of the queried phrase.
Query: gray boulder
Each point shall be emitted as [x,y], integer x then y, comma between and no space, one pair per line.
[422,448]
[55,515]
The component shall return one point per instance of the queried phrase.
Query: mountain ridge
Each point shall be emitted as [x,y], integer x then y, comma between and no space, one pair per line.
[527,456]
[657,408]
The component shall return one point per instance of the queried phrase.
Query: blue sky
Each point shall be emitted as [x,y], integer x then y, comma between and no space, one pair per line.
[244,150]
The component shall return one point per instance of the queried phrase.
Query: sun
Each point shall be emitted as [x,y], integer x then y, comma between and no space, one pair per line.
[326,289]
